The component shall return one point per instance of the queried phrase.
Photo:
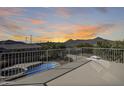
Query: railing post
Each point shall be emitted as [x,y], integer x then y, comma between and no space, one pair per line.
[47,55]
[69,54]
[82,51]
[3,64]
[122,56]
[76,53]
[0,66]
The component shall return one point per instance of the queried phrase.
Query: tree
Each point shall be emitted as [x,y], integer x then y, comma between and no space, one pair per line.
[52,45]
[84,45]
[104,44]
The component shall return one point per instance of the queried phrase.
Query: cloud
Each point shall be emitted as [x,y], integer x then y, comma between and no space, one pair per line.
[5,11]
[37,22]
[7,24]
[13,22]
[11,26]
[83,32]
[3,36]
[64,12]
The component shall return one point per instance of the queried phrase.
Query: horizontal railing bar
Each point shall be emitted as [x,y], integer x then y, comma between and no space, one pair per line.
[59,49]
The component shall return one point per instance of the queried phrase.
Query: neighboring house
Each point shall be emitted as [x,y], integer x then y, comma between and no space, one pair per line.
[18,47]
[11,54]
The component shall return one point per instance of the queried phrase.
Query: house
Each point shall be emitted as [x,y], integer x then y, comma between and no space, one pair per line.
[11,54]
[18,47]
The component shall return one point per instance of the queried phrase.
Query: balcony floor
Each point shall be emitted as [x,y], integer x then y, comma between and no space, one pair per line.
[93,73]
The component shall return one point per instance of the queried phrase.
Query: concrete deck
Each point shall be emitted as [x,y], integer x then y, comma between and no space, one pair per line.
[93,73]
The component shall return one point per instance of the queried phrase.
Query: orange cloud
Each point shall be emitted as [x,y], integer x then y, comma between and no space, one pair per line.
[41,39]
[83,32]
[35,39]
[37,22]
[18,37]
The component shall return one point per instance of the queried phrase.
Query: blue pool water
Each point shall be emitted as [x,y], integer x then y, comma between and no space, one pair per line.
[41,68]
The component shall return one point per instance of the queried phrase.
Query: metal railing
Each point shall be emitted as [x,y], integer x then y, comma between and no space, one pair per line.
[110,54]
[14,64]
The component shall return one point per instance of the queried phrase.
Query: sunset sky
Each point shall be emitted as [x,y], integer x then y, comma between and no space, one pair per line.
[61,24]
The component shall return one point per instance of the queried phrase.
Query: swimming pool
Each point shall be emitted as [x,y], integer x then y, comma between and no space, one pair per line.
[19,72]
[41,68]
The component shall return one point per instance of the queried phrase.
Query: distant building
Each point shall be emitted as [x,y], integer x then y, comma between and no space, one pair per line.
[11,54]
[18,47]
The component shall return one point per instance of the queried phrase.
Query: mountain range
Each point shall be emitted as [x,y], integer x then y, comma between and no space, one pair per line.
[11,42]
[69,43]
[90,41]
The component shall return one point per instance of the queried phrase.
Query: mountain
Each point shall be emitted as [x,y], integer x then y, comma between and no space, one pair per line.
[11,42]
[90,41]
